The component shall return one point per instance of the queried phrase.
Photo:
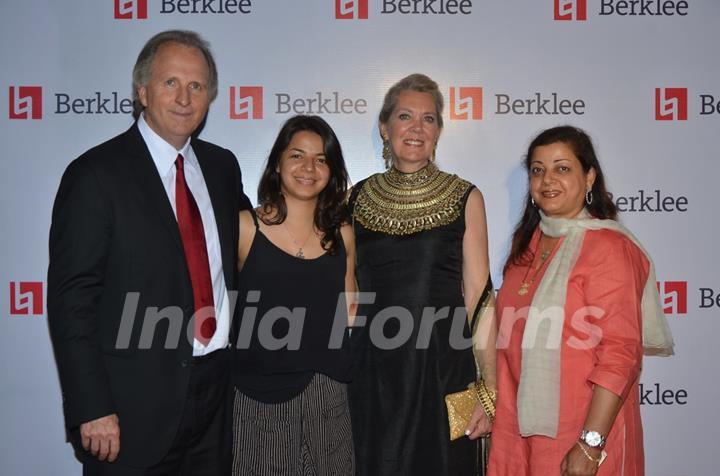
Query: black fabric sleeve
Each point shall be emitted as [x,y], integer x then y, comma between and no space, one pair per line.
[79,241]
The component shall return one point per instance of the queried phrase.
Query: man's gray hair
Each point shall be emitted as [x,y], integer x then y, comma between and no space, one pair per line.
[143,65]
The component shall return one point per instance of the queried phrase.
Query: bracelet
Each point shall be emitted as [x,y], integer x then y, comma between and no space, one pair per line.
[596,461]
[487,398]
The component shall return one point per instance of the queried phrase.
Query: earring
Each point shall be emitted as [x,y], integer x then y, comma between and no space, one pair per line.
[386,153]
[532,200]
[589,196]
[432,157]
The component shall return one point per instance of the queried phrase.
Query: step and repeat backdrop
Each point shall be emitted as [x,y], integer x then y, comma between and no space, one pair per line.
[642,77]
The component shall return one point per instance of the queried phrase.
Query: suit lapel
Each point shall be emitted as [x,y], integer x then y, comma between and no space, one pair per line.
[151,185]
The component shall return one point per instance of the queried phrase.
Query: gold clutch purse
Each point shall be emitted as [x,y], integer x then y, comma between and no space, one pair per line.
[461,405]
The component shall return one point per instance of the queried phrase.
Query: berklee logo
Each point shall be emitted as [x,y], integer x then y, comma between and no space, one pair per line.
[426,7]
[673,296]
[566,10]
[643,8]
[656,395]
[349,9]
[671,104]
[25,102]
[246,102]
[651,201]
[124,9]
[466,103]
[26,298]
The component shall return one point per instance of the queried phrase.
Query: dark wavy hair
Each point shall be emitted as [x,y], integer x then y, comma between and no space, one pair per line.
[602,205]
[331,210]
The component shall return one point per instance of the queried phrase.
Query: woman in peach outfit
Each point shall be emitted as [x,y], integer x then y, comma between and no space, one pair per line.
[577,307]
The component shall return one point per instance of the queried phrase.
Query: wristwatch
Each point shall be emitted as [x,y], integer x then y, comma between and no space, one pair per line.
[592,438]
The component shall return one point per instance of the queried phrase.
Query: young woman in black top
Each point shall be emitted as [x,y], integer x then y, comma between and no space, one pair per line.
[296,261]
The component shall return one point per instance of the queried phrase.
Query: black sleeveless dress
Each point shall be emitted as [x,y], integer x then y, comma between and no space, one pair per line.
[283,294]
[409,232]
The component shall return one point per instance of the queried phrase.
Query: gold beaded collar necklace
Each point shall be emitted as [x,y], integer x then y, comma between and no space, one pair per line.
[400,203]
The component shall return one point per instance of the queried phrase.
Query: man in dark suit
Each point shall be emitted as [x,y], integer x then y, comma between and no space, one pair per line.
[143,250]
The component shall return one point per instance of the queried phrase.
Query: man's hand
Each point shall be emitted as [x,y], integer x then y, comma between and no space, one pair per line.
[101,437]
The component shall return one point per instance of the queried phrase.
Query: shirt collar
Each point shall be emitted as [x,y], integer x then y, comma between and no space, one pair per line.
[162,153]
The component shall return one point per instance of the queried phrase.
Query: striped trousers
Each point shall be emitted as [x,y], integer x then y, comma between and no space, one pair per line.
[309,435]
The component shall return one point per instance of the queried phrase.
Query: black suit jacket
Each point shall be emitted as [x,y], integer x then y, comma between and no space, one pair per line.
[114,232]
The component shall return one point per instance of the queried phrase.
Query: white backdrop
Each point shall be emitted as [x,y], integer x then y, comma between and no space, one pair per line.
[640,77]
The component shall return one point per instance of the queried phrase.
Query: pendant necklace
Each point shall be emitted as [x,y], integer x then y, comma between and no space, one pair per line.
[299,253]
[526,283]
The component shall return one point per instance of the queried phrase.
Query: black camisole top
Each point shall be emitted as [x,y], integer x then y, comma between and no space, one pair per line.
[292,322]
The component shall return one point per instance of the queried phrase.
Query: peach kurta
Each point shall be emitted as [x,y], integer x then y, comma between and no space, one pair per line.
[609,275]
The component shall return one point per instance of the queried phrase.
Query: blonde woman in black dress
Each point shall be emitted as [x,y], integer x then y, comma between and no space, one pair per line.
[422,249]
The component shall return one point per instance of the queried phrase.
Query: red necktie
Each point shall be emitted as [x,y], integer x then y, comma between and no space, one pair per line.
[193,238]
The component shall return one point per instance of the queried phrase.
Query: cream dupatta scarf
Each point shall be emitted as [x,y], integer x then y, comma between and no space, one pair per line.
[538,399]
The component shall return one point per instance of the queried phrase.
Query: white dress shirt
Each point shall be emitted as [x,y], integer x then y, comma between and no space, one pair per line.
[164,155]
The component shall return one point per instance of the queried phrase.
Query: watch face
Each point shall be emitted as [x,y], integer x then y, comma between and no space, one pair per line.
[593,438]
